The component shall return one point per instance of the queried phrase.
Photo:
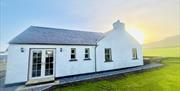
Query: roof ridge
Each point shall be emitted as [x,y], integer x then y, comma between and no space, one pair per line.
[44,35]
[64,29]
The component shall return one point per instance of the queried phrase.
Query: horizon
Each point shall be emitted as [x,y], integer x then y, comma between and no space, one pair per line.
[151,20]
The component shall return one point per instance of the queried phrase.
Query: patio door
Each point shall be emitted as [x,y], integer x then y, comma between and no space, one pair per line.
[41,65]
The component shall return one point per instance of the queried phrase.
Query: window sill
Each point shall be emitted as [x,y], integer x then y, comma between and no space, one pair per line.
[73,60]
[86,59]
[108,61]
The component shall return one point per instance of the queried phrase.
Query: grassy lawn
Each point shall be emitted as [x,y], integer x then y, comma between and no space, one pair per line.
[166,52]
[166,78]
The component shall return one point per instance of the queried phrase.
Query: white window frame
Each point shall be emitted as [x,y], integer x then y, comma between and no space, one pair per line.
[134,54]
[73,59]
[87,53]
[43,62]
[108,54]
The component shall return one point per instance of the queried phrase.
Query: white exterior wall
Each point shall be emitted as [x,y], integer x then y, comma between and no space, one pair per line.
[121,44]
[17,64]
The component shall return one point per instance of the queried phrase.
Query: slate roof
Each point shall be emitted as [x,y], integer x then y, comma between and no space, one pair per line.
[44,35]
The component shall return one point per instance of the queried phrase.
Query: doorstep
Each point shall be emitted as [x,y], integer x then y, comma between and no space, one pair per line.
[40,81]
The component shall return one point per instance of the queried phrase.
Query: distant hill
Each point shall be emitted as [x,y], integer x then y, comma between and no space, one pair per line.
[173,41]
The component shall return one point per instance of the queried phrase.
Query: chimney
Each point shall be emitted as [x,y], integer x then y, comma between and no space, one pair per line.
[118,25]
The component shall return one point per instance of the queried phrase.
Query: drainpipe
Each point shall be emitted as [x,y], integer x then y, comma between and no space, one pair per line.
[95,58]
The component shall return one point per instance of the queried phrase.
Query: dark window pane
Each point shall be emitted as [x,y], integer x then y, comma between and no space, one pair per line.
[107,57]
[35,60]
[51,72]
[47,72]
[47,66]
[38,60]
[51,66]
[51,59]
[86,50]
[39,55]
[38,66]
[34,67]
[86,56]
[33,73]
[47,60]
[38,73]
[34,55]
[72,56]
[106,51]
[72,51]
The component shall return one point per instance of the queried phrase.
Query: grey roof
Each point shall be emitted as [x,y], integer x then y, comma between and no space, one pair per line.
[44,35]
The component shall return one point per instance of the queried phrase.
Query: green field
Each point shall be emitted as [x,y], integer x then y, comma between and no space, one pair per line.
[165,52]
[166,78]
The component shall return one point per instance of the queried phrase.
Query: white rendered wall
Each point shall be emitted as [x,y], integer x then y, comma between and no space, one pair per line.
[17,64]
[121,44]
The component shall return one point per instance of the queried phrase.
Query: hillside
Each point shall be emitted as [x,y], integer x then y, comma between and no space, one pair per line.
[173,41]
[163,52]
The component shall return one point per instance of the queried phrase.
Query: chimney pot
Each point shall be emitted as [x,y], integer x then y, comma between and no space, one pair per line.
[118,25]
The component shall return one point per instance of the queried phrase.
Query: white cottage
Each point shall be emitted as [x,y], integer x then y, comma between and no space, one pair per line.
[41,54]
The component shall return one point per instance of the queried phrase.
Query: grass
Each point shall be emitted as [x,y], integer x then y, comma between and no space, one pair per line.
[165,52]
[166,78]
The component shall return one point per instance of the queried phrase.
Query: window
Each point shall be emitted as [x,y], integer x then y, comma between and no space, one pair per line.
[87,54]
[73,54]
[36,63]
[134,53]
[49,62]
[108,55]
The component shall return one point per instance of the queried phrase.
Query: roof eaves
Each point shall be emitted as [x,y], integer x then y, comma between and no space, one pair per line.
[52,44]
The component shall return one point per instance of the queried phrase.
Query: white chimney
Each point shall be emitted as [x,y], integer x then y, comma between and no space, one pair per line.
[118,25]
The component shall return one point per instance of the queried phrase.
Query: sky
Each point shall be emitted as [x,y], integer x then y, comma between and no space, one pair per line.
[156,19]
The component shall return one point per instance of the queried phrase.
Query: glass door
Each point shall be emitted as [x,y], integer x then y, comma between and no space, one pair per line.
[49,63]
[41,63]
[36,63]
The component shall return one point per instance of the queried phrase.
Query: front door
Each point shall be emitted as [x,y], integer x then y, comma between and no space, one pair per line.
[41,65]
